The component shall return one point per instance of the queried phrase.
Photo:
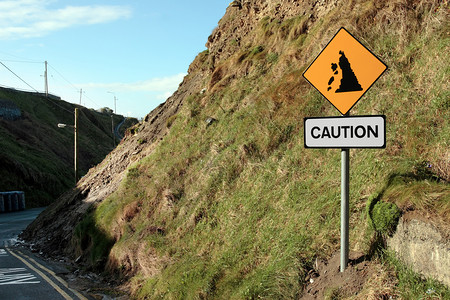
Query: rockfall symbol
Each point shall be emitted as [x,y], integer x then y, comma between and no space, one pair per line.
[349,82]
[354,69]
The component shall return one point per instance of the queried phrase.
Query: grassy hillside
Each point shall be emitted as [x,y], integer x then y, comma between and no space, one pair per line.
[238,208]
[37,156]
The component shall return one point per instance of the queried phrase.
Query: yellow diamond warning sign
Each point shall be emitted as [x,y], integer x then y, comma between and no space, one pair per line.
[344,71]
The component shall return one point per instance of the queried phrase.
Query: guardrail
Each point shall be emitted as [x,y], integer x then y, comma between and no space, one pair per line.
[12,201]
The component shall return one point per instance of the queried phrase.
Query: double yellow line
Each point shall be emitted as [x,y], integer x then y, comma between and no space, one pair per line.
[26,260]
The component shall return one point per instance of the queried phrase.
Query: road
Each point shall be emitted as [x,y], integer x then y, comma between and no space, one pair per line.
[117,128]
[12,224]
[24,276]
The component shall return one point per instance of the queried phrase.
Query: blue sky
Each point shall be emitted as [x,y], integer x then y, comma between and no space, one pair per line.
[136,50]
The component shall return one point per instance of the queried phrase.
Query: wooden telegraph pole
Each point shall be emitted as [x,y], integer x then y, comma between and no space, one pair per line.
[46,80]
[75,146]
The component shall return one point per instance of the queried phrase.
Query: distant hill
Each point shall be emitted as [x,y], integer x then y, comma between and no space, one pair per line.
[36,156]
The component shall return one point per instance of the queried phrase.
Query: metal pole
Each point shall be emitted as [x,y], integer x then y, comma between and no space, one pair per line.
[112,130]
[75,154]
[345,188]
[46,80]
[345,170]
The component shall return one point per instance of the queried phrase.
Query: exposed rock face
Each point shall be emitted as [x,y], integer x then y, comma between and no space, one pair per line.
[422,247]
[53,229]
[240,20]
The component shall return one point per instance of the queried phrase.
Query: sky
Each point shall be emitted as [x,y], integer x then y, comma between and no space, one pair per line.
[136,51]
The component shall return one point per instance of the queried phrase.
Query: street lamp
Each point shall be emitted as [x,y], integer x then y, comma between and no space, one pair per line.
[112,120]
[61,125]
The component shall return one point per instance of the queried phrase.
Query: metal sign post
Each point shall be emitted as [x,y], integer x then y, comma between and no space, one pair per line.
[352,69]
[344,133]
[345,175]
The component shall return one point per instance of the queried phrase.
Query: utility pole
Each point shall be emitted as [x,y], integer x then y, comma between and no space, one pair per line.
[46,80]
[75,128]
[81,93]
[115,99]
[76,151]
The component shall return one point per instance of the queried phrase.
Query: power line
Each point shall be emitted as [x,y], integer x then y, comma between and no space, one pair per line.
[56,104]
[54,69]
[90,99]
[22,61]
[64,78]
[76,88]
[18,77]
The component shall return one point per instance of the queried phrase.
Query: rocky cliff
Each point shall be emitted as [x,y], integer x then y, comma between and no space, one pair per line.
[237,208]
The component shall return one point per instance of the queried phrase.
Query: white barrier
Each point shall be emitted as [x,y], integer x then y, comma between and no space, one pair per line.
[12,201]
[2,204]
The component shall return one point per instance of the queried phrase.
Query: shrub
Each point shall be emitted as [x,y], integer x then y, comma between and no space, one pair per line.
[385,217]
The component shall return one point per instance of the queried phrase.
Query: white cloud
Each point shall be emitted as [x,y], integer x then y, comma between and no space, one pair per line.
[35,18]
[164,85]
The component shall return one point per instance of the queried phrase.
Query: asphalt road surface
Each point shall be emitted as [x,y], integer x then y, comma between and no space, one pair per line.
[13,223]
[22,275]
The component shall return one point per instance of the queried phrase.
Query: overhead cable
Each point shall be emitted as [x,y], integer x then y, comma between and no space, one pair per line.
[22,61]
[63,77]
[19,77]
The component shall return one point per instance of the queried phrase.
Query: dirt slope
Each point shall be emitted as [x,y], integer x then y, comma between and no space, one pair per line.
[235,207]
[105,178]
[61,217]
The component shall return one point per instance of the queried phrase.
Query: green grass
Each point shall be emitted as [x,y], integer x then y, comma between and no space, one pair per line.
[37,156]
[93,240]
[413,286]
[244,209]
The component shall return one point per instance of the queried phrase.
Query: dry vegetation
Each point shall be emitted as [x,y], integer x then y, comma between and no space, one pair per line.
[238,209]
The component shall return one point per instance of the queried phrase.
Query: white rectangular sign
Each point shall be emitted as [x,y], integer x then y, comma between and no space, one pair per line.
[345,132]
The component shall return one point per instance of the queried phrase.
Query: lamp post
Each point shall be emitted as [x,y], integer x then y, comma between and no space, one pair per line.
[115,99]
[112,130]
[61,125]
[112,120]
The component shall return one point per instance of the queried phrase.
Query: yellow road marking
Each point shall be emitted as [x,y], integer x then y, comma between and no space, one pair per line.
[63,282]
[57,288]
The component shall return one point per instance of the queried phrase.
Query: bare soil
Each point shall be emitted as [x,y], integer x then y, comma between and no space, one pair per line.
[326,280]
